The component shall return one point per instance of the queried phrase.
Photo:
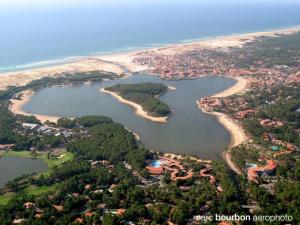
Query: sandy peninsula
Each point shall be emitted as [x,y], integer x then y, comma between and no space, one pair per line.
[17,105]
[138,109]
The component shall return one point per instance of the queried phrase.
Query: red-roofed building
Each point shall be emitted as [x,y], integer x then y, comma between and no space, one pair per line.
[29,205]
[79,220]
[245,114]
[254,172]
[120,212]
[155,170]
[89,214]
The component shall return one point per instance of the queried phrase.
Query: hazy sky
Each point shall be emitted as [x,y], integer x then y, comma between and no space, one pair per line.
[22,3]
[8,6]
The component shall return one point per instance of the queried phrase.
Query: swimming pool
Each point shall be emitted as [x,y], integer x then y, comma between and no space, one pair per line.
[156,164]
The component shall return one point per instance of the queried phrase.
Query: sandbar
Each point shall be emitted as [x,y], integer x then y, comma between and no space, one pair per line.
[138,108]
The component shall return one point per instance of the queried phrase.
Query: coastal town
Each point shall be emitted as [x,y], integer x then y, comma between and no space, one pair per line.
[111,177]
[259,77]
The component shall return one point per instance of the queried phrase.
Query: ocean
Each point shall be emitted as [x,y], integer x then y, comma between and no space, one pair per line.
[39,36]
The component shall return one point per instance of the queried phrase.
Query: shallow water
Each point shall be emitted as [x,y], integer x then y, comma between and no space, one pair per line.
[188,130]
[13,167]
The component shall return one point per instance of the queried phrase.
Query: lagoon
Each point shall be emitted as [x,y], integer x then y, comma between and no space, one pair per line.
[188,130]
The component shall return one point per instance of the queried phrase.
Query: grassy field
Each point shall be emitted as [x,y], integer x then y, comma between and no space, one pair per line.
[4,199]
[31,190]
[34,190]
[51,162]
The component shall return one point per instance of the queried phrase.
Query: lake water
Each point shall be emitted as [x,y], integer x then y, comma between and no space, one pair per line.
[188,130]
[13,167]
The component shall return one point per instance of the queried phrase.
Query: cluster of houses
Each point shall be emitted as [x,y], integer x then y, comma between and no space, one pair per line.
[210,104]
[193,63]
[49,130]
[267,123]
[6,147]
[188,64]
[38,213]
[245,113]
[288,147]
[103,208]
[197,62]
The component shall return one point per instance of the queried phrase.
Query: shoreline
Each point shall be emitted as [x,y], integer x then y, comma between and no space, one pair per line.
[239,87]
[237,133]
[16,106]
[121,62]
[138,108]
[132,50]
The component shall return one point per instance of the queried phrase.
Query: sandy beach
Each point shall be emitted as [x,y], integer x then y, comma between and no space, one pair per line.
[220,42]
[183,157]
[17,104]
[171,88]
[239,87]
[138,109]
[122,62]
[20,78]
[238,135]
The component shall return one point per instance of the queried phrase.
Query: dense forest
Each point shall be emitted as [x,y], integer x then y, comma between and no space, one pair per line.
[270,51]
[144,94]
[280,105]
[85,185]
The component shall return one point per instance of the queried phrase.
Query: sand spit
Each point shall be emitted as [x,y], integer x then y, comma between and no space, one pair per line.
[138,109]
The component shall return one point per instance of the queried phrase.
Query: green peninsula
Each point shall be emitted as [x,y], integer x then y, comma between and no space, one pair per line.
[144,94]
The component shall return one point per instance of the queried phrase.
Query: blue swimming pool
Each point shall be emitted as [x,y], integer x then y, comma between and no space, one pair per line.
[156,164]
